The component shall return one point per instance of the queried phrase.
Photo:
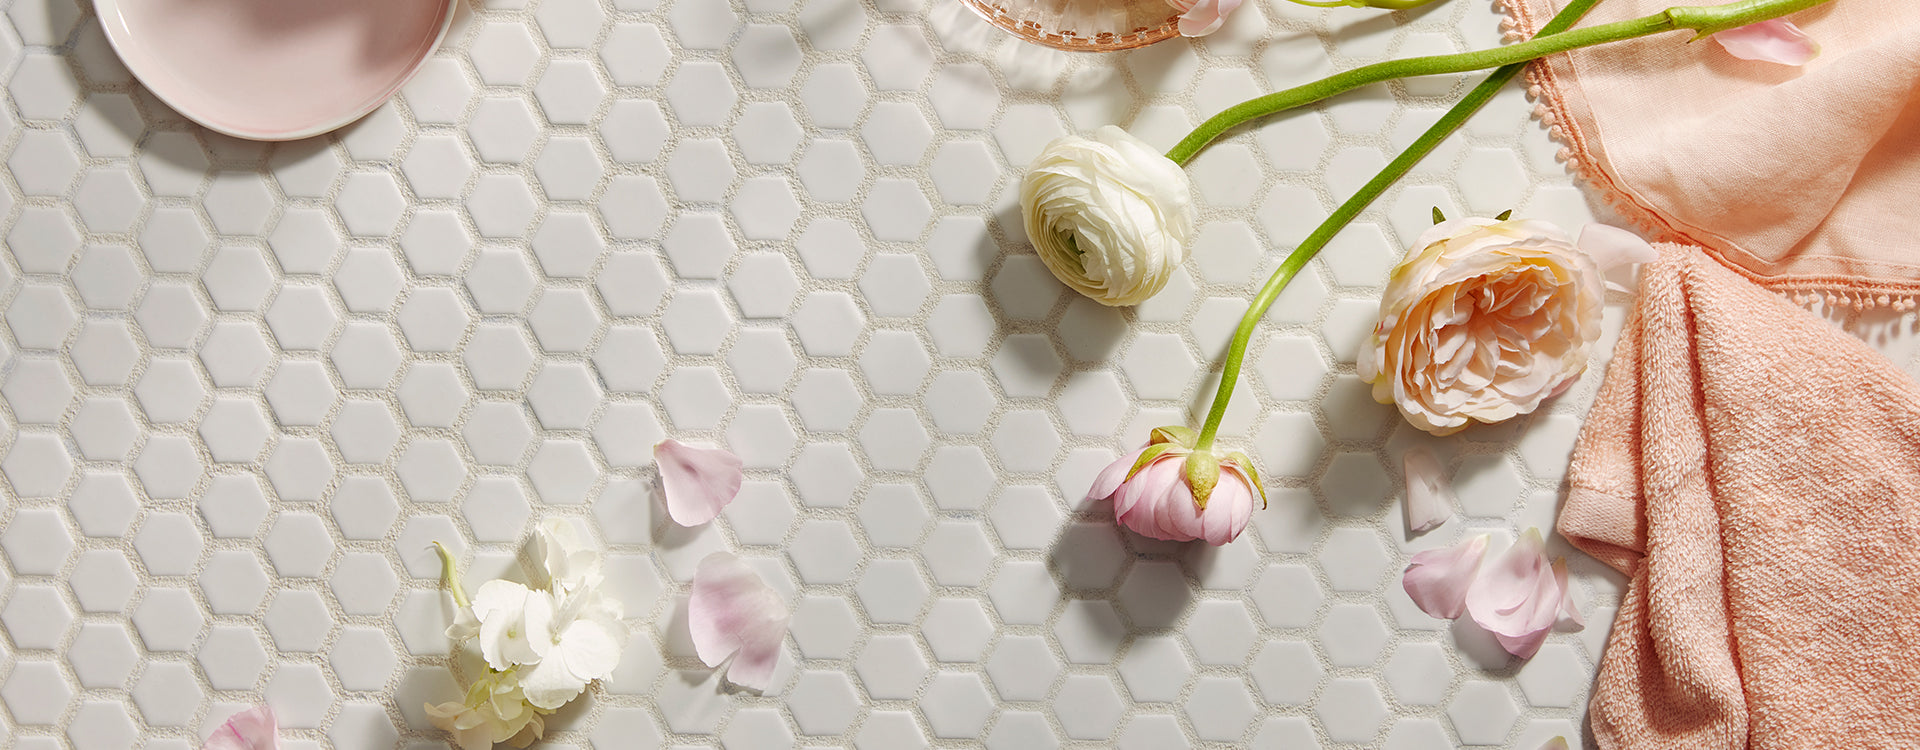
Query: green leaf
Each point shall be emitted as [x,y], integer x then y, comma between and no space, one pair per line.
[1504,215]
[1203,474]
[1245,463]
[1437,216]
[1176,434]
[1147,456]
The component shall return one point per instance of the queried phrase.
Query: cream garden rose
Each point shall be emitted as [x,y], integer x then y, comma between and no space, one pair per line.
[1486,319]
[1109,215]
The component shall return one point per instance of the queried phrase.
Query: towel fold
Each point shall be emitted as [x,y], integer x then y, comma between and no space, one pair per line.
[1756,472]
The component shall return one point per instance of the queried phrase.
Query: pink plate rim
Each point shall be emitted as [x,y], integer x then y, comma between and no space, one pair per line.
[119,36]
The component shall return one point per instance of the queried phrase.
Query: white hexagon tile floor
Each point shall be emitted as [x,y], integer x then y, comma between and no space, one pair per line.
[245,385]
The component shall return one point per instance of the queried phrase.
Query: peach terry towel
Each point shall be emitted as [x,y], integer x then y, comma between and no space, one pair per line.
[1753,469]
[1756,472]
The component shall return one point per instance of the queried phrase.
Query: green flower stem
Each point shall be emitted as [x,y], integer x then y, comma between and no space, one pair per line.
[1702,20]
[1425,144]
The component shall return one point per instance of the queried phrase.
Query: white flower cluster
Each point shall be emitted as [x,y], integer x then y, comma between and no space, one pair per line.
[542,646]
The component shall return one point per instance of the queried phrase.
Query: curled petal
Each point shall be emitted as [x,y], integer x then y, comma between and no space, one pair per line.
[1520,596]
[1429,497]
[1557,743]
[1611,247]
[1110,478]
[1566,596]
[1438,580]
[1775,41]
[1234,500]
[1141,502]
[699,482]
[252,729]
[734,613]
[1203,17]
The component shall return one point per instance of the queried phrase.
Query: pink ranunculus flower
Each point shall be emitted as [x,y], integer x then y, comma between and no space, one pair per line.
[1202,17]
[1774,41]
[1154,494]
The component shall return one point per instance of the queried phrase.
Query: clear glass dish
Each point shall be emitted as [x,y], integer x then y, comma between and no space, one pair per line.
[1082,25]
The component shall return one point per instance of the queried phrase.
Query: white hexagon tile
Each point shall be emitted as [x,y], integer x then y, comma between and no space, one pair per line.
[244,385]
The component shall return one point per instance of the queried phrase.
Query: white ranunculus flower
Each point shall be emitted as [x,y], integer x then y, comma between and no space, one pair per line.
[1486,319]
[1109,215]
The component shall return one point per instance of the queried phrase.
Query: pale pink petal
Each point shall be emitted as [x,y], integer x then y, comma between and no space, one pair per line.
[1140,499]
[1611,246]
[733,613]
[1111,477]
[1128,492]
[252,729]
[1524,645]
[1241,511]
[1437,580]
[1429,497]
[1216,522]
[1774,41]
[699,482]
[1182,517]
[1205,16]
[1566,598]
[1166,498]
[753,666]
[1516,598]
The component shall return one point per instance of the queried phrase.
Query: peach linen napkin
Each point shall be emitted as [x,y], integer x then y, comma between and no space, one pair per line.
[1802,179]
[1752,469]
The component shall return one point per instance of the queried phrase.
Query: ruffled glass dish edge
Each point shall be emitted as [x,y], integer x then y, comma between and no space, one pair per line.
[1082,25]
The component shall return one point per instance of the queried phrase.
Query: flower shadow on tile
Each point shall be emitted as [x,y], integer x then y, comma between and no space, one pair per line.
[1141,576]
[1031,67]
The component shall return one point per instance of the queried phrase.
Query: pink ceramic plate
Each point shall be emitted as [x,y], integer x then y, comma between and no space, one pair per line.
[274,70]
